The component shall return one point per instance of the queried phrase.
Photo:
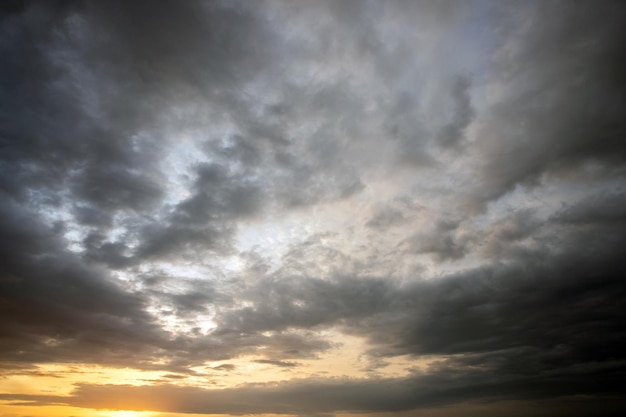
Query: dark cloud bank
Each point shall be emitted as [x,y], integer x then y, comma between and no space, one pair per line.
[140,132]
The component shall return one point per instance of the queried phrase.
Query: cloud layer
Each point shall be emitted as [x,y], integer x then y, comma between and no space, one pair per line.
[192,182]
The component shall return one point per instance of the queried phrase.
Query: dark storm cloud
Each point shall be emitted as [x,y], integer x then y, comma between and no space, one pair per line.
[92,216]
[566,104]
[487,309]
[203,219]
[169,44]
[59,129]
[116,188]
[87,85]
[98,249]
[600,209]
[141,132]
[55,307]
[543,309]
[278,345]
[553,313]
[283,303]
[104,90]
[310,396]
[187,297]
[85,89]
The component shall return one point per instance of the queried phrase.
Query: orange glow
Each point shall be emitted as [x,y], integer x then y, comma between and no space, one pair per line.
[8,410]
[346,359]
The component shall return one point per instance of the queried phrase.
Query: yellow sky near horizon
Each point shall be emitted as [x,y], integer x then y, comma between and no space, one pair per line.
[346,359]
[509,408]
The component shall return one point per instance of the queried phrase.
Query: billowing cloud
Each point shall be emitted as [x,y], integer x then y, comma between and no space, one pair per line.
[399,205]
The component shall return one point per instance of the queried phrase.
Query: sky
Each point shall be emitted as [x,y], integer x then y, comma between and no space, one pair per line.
[312,208]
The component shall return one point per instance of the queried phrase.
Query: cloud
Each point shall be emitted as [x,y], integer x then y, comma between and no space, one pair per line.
[226,367]
[463,113]
[280,364]
[600,209]
[547,310]
[187,182]
[313,396]
[544,122]
[57,308]
[203,218]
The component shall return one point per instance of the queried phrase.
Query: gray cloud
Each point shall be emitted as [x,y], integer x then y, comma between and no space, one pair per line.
[463,113]
[57,308]
[599,209]
[553,311]
[280,364]
[226,367]
[548,122]
[440,179]
[316,396]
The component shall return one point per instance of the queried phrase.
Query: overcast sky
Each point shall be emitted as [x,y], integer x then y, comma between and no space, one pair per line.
[411,208]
